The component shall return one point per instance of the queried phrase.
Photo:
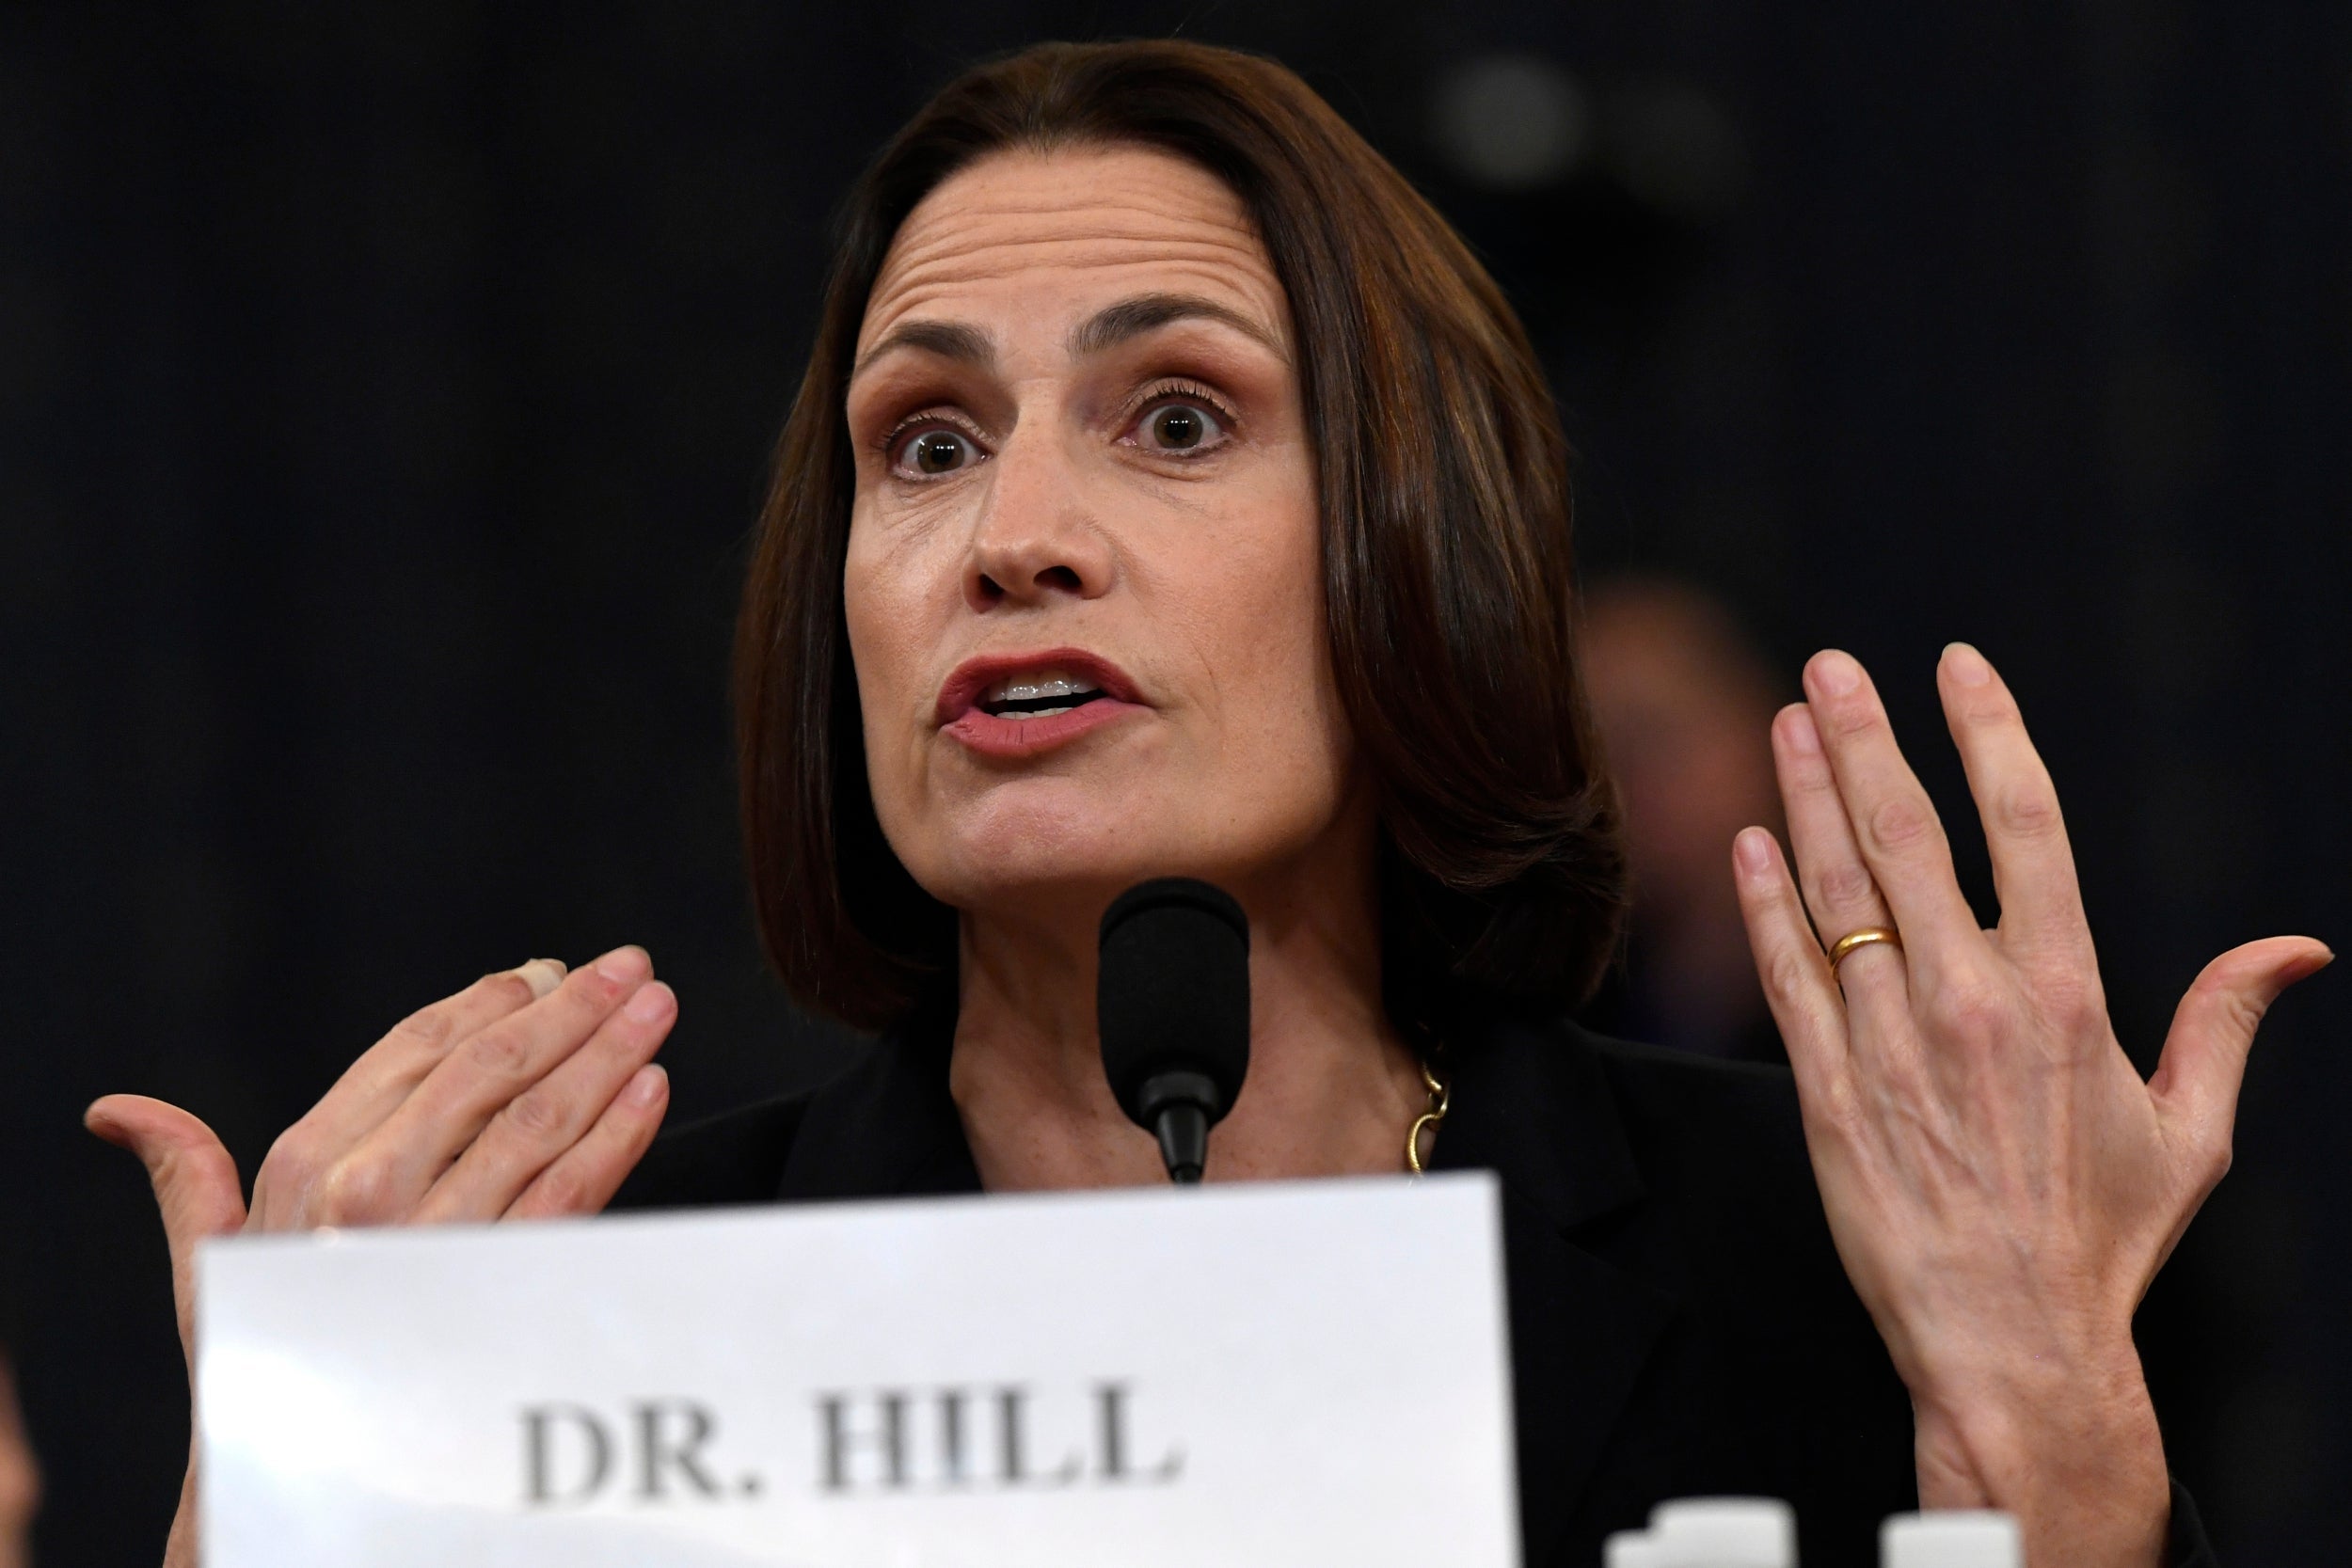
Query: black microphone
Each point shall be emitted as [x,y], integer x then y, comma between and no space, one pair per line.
[1171,998]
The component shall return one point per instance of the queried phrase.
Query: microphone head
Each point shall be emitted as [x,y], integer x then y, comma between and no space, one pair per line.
[1172,990]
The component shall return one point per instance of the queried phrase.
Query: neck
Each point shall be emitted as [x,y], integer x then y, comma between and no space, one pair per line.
[1332,1089]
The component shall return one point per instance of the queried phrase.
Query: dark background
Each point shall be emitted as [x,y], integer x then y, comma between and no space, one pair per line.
[386,392]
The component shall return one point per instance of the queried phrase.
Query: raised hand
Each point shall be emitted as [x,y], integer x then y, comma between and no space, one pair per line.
[2001,1183]
[530,1094]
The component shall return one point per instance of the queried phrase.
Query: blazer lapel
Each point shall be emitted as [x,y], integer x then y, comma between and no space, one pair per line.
[1531,1105]
[887,1127]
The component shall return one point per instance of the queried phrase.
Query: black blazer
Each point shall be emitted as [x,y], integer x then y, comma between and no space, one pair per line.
[1680,1325]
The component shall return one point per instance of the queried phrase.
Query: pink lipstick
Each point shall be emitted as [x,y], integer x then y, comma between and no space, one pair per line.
[1014,706]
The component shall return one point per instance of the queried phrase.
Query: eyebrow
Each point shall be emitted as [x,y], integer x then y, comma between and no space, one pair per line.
[956,340]
[1132,318]
[1106,329]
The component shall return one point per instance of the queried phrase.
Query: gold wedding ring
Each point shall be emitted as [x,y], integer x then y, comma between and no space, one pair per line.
[1863,938]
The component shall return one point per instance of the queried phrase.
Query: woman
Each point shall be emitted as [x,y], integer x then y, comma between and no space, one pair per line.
[1170,492]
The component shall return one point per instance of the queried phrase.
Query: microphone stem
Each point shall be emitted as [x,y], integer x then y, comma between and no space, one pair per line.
[1183,1129]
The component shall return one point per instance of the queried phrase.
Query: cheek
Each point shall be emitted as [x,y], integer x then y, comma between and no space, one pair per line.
[884,606]
[1279,705]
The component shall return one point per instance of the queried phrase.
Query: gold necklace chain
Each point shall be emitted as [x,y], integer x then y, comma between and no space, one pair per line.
[1440,1101]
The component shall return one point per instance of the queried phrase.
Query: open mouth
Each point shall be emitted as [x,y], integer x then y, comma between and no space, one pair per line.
[1038,696]
[1014,707]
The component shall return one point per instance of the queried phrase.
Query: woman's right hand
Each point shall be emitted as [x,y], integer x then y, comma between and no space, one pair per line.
[530,1094]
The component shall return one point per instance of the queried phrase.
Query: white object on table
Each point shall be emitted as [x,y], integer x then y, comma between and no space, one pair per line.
[1632,1548]
[1724,1532]
[1960,1538]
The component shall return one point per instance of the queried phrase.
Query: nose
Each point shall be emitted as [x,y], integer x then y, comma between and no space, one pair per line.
[1036,540]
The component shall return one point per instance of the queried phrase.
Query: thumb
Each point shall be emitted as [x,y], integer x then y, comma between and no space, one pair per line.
[2203,1062]
[195,1180]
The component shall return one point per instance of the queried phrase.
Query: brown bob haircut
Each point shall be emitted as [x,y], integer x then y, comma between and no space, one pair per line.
[1447,569]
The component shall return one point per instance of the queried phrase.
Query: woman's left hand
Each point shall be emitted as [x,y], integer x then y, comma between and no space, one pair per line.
[2001,1183]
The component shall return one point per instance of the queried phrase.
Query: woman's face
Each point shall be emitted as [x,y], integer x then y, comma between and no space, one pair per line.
[1084,579]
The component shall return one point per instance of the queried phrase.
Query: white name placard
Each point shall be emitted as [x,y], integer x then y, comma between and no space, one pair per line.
[1285,1375]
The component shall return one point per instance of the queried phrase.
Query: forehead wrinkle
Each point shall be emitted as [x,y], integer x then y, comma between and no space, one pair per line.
[974,213]
[1189,199]
[1077,215]
[968,259]
[1015,213]
[1208,271]
[972,205]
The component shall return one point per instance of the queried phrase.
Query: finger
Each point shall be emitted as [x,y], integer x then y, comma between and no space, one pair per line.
[179,1545]
[384,1177]
[1797,984]
[534,1128]
[388,1073]
[2203,1062]
[1838,887]
[2033,863]
[584,1177]
[1893,821]
[195,1180]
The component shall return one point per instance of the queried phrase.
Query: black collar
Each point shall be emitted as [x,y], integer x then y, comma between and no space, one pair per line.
[1532,1102]
[887,1127]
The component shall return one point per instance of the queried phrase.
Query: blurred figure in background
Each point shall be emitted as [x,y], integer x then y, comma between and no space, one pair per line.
[1685,703]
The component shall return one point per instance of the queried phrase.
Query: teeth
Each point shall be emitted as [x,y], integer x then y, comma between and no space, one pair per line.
[1028,689]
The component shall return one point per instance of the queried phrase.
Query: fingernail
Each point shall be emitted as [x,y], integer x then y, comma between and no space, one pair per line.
[1804,737]
[1753,849]
[648,1085]
[651,1002]
[623,964]
[1835,673]
[1968,665]
[106,1130]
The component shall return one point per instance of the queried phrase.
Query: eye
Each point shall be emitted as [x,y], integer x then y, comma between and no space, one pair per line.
[933,453]
[1180,426]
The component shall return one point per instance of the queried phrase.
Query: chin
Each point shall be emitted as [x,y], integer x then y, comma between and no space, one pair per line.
[1007,852]
[1030,850]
